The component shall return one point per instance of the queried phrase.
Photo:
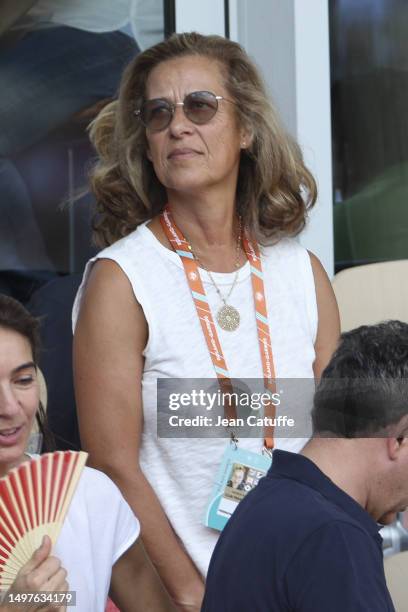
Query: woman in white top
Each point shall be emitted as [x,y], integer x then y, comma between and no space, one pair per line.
[98,550]
[192,128]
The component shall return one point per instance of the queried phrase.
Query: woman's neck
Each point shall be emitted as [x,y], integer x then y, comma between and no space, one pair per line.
[206,219]
[206,228]
[212,230]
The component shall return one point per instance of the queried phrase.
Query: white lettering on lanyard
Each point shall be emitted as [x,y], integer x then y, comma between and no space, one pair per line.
[171,228]
[267,359]
[210,333]
[252,251]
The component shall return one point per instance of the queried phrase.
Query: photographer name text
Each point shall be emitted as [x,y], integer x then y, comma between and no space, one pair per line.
[249,421]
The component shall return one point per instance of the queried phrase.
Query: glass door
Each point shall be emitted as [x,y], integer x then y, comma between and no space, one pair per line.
[369,90]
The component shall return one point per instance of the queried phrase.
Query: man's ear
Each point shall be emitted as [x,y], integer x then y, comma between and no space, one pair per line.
[394,447]
[397,441]
[397,445]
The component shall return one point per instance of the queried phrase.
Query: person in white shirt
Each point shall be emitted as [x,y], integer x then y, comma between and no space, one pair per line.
[98,550]
[192,148]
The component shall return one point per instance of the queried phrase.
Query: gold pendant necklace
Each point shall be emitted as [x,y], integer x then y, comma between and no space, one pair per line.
[228,317]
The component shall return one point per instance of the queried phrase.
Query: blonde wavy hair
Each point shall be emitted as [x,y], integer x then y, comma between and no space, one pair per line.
[274,188]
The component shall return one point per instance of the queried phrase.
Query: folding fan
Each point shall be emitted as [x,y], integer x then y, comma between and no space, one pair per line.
[34,500]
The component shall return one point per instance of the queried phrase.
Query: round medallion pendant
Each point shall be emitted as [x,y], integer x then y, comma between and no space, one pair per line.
[228,318]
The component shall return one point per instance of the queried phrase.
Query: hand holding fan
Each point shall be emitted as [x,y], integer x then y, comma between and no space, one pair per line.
[34,500]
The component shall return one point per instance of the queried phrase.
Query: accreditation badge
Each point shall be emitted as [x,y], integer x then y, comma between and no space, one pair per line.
[239,472]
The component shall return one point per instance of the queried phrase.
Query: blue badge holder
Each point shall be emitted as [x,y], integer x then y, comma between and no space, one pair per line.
[239,472]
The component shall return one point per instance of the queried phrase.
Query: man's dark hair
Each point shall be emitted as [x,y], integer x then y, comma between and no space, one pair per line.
[364,388]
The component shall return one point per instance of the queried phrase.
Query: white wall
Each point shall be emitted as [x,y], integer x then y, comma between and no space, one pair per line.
[314,119]
[289,40]
[204,16]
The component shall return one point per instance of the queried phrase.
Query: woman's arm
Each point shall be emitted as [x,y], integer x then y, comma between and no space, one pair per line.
[328,330]
[135,585]
[109,339]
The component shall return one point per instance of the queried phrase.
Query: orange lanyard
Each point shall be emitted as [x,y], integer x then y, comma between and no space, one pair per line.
[182,248]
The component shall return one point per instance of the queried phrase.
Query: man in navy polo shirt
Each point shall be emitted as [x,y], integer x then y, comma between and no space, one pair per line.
[306,539]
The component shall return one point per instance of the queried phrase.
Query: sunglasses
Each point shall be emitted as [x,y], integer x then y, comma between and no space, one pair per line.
[198,106]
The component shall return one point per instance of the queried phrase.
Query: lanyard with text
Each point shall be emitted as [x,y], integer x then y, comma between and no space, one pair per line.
[182,248]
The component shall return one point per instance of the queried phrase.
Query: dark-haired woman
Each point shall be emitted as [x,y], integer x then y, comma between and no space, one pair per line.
[98,548]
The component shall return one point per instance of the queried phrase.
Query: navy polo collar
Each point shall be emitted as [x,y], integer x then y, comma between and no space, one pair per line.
[300,468]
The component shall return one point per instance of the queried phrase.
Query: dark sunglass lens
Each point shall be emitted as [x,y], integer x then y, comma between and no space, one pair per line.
[200,106]
[156,114]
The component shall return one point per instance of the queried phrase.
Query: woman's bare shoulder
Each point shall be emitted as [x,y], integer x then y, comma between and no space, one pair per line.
[108,281]
[109,297]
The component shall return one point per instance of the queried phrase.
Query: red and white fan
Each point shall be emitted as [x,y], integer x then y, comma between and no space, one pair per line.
[34,500]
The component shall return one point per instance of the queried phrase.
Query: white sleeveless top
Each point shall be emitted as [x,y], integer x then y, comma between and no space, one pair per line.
[182,471]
